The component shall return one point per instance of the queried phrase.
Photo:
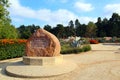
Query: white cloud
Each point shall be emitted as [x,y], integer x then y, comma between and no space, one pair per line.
[19,13]
[85,20]
[54,17]
[111,8]
[46,15]
[83,6]
[17,10]
[17,19]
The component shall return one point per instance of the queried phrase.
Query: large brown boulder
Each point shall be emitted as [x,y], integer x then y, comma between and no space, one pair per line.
[42,44]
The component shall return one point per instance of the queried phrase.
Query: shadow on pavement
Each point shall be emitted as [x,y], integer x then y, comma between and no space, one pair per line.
[3,66]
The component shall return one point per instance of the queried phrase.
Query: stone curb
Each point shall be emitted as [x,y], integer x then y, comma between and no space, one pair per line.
[30,71]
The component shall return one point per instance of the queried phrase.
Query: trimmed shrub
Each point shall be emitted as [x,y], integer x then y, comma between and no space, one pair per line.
[86,48]
[11,48]
[8,51]
[76,50]
[92,41]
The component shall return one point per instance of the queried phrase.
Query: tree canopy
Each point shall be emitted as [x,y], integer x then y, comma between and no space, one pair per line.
[6,29]
[102,28]
[106,27]
[26,31]
[91,30]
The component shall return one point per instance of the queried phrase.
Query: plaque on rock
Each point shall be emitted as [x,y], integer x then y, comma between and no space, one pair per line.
[42,44]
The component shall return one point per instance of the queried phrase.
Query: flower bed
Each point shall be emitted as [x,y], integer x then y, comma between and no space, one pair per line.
[12,41]
[11,48]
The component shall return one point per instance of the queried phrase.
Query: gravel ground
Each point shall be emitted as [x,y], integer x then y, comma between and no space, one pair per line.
[102,63]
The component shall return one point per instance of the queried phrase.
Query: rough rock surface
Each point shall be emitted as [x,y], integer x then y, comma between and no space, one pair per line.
[42,44]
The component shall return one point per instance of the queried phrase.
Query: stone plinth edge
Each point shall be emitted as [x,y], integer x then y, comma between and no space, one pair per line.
[31,71]
[43,61]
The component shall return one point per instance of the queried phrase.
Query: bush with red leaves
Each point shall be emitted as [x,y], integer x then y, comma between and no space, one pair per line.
[92,41]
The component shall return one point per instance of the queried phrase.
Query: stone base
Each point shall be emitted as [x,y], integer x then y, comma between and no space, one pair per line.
[31,71]
[42,61]
[35,67]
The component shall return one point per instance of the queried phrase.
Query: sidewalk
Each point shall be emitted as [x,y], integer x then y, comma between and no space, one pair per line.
[102,63]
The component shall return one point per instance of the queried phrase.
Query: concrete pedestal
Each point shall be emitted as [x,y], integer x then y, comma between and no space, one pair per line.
[36,67]
[43,61]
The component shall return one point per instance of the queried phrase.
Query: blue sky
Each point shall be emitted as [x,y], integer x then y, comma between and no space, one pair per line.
[52,12]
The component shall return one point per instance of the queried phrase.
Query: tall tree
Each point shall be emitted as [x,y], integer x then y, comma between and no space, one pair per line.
[105,27]
[47,27]
[4,14]
[114,23]
[26,31]
[100,28]
[83,30]
[77,23]
[8,32]
[67,31]
[60,30]
[6,29]
[72,29]
[78,28]
[71,24]
[91,30]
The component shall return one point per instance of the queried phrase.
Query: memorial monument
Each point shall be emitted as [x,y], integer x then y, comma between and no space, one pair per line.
[42,58]
[42,48]
[42,44]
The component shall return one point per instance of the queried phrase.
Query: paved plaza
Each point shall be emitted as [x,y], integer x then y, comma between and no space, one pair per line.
[102,63]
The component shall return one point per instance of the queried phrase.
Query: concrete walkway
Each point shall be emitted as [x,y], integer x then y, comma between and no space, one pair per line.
[102,63]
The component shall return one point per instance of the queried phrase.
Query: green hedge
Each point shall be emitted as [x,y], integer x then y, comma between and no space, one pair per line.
[8,51]
[76,50]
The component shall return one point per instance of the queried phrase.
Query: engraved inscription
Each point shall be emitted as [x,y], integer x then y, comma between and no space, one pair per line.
[40,42]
